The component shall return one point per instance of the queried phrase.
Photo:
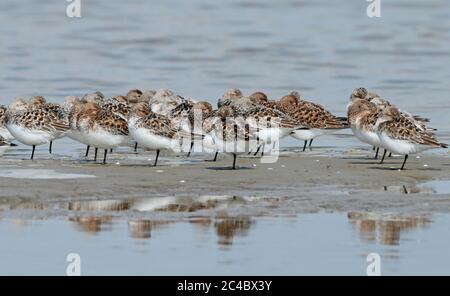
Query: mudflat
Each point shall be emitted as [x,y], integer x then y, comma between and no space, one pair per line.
[347,180]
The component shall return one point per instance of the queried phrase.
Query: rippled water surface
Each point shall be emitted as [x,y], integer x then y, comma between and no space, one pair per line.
[200,48]
[319,244]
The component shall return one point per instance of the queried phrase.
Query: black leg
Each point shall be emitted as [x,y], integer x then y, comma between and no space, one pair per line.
[304,146]
[384,156]
[257,150]
[234,162]
[310,143]
[373,148]
[390,154]
[32,152]
[215,156]
[135,147]
[104,156]
[190,149]
[95,154]
[87,151]
[376,153]
[110,150]
[156,159]
[403,165]
[263,148]
[50,147]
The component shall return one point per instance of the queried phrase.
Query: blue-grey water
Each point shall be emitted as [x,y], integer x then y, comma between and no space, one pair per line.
[200,48]
[309,244]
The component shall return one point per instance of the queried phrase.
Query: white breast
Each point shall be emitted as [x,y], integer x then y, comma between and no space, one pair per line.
[29,136]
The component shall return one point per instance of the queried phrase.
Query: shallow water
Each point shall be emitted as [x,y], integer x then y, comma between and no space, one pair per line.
[200,48]
[39,174]
[319,244]
[323,49]
[438,186]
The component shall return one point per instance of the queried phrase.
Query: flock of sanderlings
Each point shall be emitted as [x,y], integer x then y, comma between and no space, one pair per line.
[159,120]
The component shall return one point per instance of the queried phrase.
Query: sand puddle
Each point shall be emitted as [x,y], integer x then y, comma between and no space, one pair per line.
[437,186]
[40,174]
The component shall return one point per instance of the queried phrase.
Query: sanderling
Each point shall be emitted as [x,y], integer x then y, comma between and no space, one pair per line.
[4,132]
[362,116]
[134,96]
[95,97]
[271,124]
[39,102]
[230,133]
[73,106]
[403,135]
[316,120]
[101,128]
[234,97]
[4,145]
[117,105]
[34,126]
[229,97]
[152,130]
[368,134]
[196,119]
[164,101]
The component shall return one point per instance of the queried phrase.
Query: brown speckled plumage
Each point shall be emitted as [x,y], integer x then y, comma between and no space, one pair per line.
[2,115]
[158,124]
[310,114]
[39,119]
[116,107]
[401,127]
[111,123]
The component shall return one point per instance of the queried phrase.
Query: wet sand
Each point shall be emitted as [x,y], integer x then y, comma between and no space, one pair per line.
[322,179]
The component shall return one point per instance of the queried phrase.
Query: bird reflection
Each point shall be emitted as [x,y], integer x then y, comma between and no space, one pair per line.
[92,225]
[385,229]
[142,229]
[95,216]
[227,228]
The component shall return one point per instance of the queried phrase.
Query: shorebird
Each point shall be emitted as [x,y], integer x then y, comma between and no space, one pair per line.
[34,126]
[188,117]
[316,120]
[362,116]
[95,97]
[403,135]
[102,129]
[380,104]
[230,133]
[134,96]
[4,145]
[152,130]
[4,132]
[73,106]
[196,118]
[270,124]
[230,97]
[39,102]
[164,101]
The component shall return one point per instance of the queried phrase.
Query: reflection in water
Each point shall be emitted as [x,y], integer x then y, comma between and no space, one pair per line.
[227,228]
[92,217]
[97,205]
[386,229]
[142,229]
[93,225]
